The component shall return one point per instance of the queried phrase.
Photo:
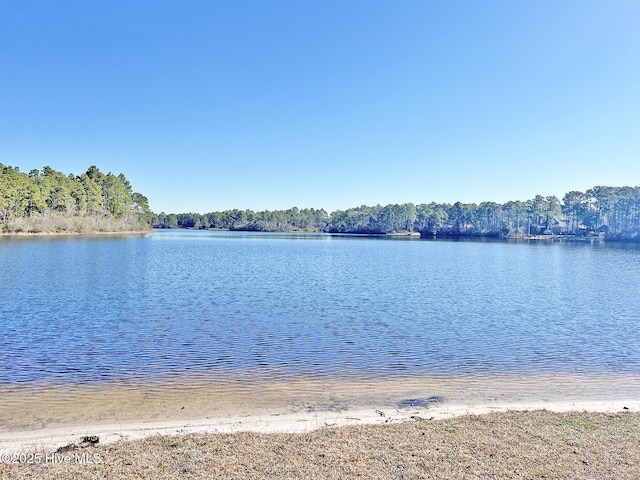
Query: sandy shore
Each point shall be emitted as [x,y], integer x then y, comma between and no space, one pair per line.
[50,439]
[45,419]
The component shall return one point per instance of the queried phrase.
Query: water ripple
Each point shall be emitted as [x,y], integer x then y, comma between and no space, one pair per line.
[212,304]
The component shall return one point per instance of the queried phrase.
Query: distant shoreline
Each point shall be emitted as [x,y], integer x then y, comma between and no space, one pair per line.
[418,235]
[71,234]
[413,235]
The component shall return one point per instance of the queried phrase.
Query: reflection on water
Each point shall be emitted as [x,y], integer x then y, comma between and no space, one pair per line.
[258,308]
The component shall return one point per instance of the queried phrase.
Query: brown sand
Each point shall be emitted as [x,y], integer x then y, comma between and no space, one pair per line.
[532,445]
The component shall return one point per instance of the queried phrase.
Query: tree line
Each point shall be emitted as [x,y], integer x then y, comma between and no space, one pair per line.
[293,219]
[610,211]
[49,201]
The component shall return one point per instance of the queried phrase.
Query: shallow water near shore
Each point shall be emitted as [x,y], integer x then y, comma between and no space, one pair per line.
[49,408]
[139,326]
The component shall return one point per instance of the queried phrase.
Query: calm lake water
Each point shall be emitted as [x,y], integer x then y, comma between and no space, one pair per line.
[176,304]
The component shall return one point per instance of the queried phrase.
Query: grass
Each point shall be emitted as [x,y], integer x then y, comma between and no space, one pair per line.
[512,445]
[56,223]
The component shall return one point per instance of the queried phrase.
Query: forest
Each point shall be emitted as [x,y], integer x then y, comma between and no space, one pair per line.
[49,201]
[607,212]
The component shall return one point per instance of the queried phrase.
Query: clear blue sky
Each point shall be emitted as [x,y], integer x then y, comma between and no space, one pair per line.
[210,105]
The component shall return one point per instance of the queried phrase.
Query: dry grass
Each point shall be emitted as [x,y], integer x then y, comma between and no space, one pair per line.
[59,223]
[527,445]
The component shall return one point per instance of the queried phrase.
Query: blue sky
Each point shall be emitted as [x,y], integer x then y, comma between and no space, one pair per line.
[210,105]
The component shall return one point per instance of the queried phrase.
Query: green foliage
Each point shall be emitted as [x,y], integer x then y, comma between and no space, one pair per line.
[294,219]
[19,196]
[93,195]
[614,210]
[430,219]
[50,193]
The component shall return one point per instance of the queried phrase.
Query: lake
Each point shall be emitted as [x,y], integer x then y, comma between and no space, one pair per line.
[195,307]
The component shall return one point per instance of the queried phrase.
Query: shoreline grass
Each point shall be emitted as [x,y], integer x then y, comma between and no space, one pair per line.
[57,223]
[517,444]
[75,234]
